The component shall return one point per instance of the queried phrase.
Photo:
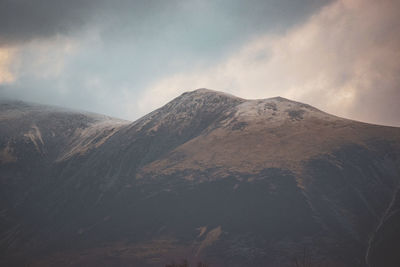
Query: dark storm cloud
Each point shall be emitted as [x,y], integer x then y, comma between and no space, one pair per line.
[24,20]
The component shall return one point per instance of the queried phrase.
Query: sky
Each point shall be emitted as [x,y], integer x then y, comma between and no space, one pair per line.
[126,58]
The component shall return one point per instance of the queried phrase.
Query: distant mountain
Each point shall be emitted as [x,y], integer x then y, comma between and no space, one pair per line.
[209,176]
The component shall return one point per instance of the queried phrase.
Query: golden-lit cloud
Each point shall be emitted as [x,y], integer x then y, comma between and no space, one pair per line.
[45,58]
[345,59]
[6,59]
[42,59]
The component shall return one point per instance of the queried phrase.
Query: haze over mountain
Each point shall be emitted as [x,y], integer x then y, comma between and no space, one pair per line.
[209,176]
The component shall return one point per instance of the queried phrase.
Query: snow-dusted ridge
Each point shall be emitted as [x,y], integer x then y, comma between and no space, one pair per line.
[52,131]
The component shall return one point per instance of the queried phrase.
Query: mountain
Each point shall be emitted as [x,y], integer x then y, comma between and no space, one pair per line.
[209,176]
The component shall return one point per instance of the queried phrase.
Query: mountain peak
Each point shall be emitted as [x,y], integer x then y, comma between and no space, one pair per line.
[204,92]
[205,106]
[280,99]
[196,106]
[212,96]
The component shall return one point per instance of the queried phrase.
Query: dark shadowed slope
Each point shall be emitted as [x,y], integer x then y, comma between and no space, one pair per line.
[208,176]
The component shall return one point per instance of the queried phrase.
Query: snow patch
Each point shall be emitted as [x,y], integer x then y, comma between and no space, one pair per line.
[35,136]
[276,110]
[202,230]
[92,137]
[211,237]
[6,154]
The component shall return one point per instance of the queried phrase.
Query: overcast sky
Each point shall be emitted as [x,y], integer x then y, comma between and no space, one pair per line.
[125,58]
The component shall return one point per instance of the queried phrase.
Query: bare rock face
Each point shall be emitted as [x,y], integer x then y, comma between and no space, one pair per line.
[208,177]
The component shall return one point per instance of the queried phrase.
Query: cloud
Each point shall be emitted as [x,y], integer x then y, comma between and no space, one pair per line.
[6,58]
[345,59]
[44,59]
[100,55]
[26,20]
[74,72]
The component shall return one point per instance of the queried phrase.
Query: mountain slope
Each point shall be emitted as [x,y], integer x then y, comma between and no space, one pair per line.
[208,176]
[33,139]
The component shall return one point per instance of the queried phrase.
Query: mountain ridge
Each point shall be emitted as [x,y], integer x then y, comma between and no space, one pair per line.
[207,176]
